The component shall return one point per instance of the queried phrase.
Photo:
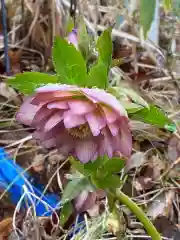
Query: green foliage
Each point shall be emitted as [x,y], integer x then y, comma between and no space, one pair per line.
[147,10]
[98,74]
[101,172]
[152,115]
[69,63]
[69,26]
[104,46]
[73,188]
[83,39]
[66,212]
[27,82]
[167,4]
[130,100]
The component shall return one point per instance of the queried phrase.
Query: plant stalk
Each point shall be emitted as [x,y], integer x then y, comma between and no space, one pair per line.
[151,230]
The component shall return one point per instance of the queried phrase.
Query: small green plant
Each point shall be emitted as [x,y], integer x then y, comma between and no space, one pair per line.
[76,111]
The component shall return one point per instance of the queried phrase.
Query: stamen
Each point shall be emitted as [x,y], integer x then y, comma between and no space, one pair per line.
[80,132]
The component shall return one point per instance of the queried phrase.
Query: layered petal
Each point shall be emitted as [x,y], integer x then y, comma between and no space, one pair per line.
[27,112]
[86,123]
[85,150]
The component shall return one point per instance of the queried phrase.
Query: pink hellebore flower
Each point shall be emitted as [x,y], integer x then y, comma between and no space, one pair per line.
[84,122]
[72,38]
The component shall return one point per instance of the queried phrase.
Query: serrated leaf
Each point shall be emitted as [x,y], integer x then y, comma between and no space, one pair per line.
[131,107]
[83,39]
[27,82]
[105,181]
[73,188]
[167,4]
[104,46]
[69,63]
[97,76]
[114,165]
[125,90]
[65,213]
[147,10]
[153,115]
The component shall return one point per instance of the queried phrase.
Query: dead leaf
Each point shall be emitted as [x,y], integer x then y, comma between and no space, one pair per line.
[9,93]
[173,149]
[5,228]
[136,160]
[162,205]
[15,59]
[38,163]
[167,228]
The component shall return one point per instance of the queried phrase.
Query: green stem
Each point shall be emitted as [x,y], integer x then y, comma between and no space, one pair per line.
[151,230]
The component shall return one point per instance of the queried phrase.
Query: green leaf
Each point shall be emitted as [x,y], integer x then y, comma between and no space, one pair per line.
[27,82]
[73,188]
[114,165]
[126,90]
[153,115]
[105,181]
[88,168]
[69,63]
[83,39]
[147,10]
[97,76]
[167,4]
[66,212]
[69,25]
[104,46]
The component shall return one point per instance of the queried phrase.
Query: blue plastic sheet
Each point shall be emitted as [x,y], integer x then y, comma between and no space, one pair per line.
[19,185]
[23,190]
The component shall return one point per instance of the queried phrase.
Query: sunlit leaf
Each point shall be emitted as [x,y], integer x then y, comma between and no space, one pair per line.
[69,63]
[83,39]
[27,82]
[98,76]
[147,10]
[104,181]
[69,25]
[167,4]
[153,115]
[104,46]
[114,165]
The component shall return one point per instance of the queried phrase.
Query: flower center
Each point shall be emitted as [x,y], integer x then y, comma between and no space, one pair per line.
[80,132]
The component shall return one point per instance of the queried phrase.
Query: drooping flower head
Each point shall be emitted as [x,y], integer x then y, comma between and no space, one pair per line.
[84,122]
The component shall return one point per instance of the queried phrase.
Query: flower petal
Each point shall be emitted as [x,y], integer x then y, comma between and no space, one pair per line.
[27,112]
[41,116]
[58,104]
[71,120]
[123,140]
[72,38]
[80,106]
[106,145]
[111,116]
[114,128]
[96,122]
[85,150]
[56,87]
[53,121]
[80,199]
[100,96]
